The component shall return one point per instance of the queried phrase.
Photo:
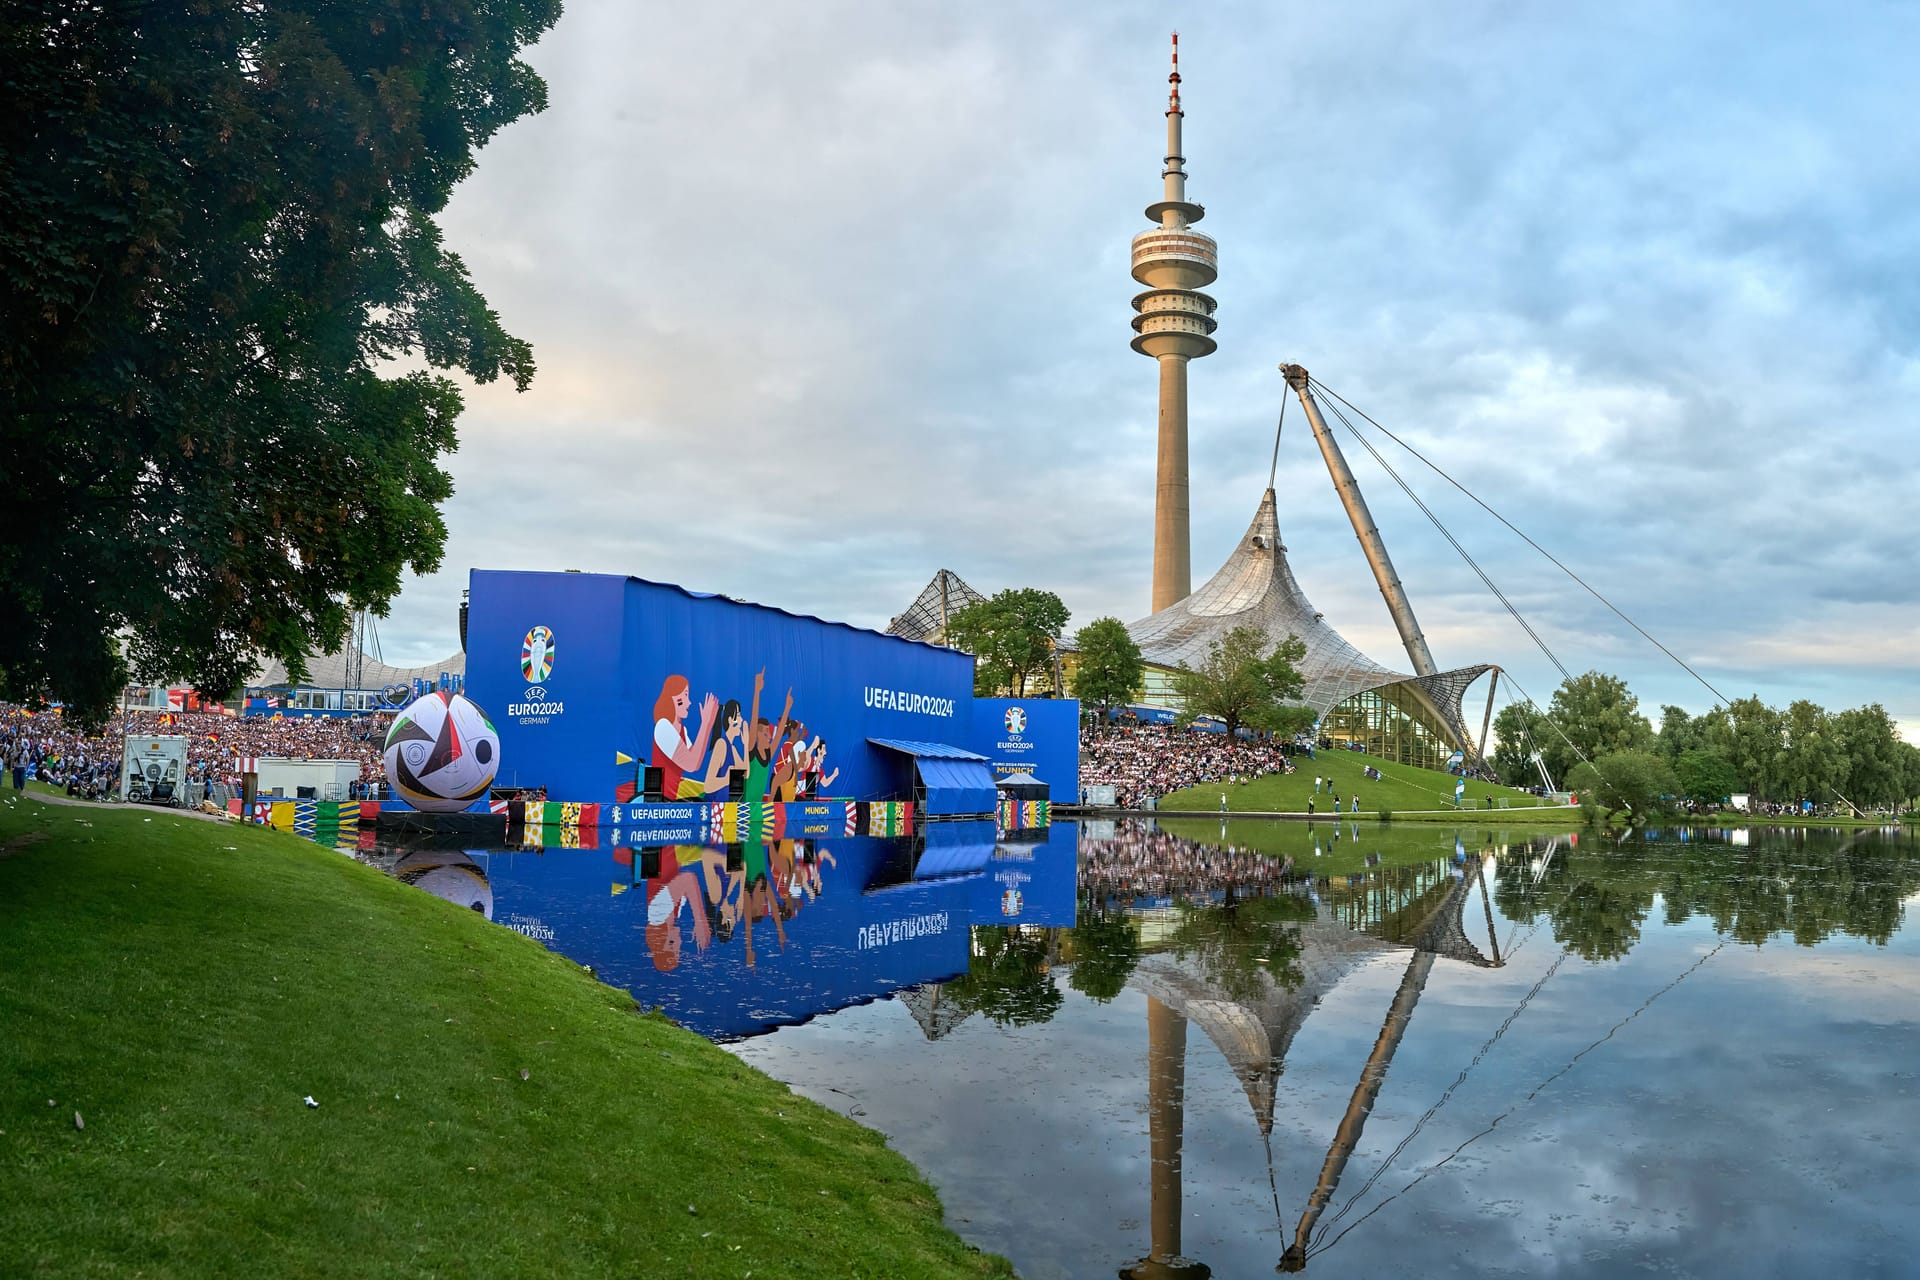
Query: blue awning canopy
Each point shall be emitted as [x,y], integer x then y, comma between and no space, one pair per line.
[956,780]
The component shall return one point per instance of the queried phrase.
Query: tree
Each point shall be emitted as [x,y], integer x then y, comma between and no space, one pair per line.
[1595,715]
[1638,782]
[1679,732]
[1011,636]
[1871,744]
[1813,758]
[1705,776]
[1750,734]
[1908,756]
[1110,671]
[1242,681]
[217,239]
[1518,732]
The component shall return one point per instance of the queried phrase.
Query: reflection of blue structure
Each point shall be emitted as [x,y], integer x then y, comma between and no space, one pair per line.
[856,930]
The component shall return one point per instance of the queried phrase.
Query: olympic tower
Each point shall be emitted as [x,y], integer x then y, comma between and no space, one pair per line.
[1174,325]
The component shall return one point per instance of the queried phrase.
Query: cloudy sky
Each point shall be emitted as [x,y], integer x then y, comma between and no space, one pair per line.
[826,297]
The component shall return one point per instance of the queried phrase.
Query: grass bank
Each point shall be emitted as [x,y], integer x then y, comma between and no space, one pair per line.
[1400,788]
[485,1107]
[1348,846]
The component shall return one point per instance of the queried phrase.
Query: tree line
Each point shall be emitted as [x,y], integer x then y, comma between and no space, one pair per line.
[1593,727]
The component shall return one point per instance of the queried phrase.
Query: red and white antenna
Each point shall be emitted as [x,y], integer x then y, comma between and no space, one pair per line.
[1173,98]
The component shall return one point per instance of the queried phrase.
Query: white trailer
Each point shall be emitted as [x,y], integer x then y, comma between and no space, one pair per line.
[305,779]
[154,770]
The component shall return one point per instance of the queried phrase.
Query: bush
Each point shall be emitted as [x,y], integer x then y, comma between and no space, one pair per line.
[1385,815]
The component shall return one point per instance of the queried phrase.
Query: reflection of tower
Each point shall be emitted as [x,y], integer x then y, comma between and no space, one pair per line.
[1175,325]
[1166,1117]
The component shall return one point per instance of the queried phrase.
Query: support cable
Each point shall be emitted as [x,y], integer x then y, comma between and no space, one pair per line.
[1274,469]
[1451,540]
[1434,1110]
[1531,1095]
[1473,564]
[1584,584]
[1555,726]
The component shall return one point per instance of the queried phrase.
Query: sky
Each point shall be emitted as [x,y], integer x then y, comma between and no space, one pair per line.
[827,297]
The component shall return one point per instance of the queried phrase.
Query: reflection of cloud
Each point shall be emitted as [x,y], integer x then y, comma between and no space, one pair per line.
[448,874]
[1742,1121]
[1655,308]
[1863,985]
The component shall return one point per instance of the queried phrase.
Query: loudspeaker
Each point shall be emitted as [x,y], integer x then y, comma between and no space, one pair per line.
[651,780]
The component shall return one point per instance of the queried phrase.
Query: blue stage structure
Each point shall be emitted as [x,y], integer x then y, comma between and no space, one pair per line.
[611,689]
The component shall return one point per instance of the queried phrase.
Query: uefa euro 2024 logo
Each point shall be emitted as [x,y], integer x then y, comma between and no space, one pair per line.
[536,655]
[1016,720]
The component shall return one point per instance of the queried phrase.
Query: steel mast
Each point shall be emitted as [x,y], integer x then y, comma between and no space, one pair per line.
[1363,527]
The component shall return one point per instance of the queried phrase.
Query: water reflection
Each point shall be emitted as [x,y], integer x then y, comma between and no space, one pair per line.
[731,939]
[1521,1053]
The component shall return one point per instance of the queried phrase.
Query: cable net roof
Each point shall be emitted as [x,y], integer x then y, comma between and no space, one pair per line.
[329,671]
[1256,588]
[926,618]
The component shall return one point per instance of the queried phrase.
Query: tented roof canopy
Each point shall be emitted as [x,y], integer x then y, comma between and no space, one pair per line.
[956,781]
[1023,786]
[1256,588]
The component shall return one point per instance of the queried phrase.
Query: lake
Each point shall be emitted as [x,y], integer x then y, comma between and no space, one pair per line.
[1349,1049]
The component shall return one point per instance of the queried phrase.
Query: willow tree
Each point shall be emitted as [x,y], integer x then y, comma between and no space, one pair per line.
[217,238]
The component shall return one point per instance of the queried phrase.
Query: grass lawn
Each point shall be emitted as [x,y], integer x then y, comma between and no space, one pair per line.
[1328,848]
[1401,788]
[485,1107]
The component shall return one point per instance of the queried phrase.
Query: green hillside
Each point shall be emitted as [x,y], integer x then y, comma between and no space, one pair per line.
[1402,788]
[173,991]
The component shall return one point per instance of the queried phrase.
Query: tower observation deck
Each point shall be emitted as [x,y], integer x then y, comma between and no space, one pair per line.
[1174,324]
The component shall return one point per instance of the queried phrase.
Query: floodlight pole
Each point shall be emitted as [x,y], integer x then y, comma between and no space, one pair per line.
[1363,526]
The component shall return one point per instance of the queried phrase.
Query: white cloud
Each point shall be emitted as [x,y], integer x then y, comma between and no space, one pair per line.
[825,297]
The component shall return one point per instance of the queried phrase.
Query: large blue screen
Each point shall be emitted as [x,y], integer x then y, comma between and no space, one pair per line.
[1040,736]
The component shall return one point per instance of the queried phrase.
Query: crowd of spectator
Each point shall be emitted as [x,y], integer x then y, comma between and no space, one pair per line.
[1143,861]
[88,765]
[1143,762]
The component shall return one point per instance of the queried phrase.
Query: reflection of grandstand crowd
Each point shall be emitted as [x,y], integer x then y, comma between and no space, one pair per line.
[1143,861]
[90,766]
[1145,762]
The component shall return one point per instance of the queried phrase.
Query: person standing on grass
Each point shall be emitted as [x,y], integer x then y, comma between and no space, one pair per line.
[1223,802]
[19,763]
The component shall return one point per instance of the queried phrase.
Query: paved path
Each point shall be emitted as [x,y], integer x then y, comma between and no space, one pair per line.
[44,798]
